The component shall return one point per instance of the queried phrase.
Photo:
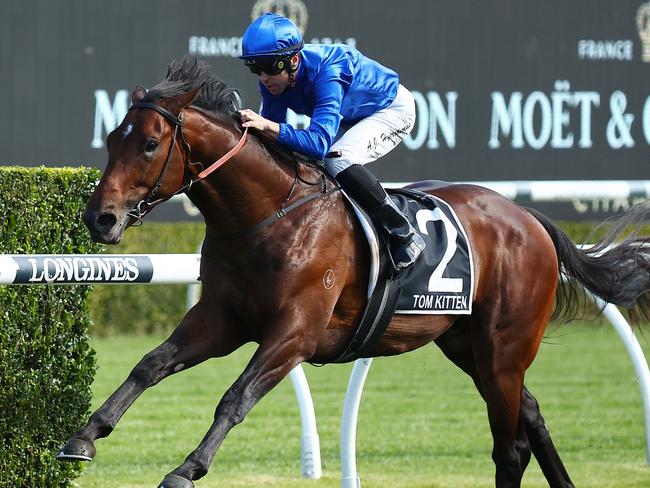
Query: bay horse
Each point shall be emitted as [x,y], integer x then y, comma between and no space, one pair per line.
[263,270]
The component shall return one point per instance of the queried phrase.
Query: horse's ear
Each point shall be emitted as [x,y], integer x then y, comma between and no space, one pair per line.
[186,99]
[138,94]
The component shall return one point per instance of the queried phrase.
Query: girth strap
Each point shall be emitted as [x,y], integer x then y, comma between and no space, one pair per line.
[374,322]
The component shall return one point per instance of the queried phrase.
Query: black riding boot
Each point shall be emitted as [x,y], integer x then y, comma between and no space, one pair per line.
[405,243]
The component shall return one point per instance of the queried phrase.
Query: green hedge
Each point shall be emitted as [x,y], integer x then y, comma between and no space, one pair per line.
[46,364]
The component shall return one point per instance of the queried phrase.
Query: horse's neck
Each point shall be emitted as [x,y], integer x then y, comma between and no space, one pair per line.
[246,189]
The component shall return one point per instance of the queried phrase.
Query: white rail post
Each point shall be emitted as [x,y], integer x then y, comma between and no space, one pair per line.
[310,463]
[633,347]
[349,476]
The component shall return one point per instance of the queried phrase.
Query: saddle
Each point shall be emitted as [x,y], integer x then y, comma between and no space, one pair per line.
[440,282]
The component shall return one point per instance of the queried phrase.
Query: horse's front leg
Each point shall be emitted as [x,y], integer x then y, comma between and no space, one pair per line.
[196,339]
[274,359]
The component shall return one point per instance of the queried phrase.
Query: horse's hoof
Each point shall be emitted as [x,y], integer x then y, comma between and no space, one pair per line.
[77,450]
[174,481]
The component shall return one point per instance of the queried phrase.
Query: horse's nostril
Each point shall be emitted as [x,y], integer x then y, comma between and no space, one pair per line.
[106,220]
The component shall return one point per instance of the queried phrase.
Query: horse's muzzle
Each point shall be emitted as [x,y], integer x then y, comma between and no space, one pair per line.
[104,226]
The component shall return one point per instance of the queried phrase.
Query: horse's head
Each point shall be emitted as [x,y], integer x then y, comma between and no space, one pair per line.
[147,156]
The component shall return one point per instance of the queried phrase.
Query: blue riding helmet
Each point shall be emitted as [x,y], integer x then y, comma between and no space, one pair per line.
[270,36]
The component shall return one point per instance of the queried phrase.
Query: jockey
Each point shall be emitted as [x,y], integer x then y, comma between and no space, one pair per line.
[359,112]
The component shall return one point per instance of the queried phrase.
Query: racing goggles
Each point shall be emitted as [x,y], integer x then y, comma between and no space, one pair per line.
[271,67]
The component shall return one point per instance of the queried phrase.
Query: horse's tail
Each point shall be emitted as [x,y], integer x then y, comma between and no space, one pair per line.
[617,272]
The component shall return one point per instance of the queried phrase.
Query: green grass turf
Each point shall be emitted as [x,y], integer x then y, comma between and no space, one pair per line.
[421,423]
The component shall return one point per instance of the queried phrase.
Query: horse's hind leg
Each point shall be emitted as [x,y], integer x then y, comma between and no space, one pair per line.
[541,443]
[193,341]
[502,382]
[496,359]
[457,345]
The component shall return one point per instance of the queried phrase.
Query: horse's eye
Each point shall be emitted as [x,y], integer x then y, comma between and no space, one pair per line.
[151,146]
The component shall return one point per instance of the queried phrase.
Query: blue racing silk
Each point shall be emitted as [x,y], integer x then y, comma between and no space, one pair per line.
[335,84]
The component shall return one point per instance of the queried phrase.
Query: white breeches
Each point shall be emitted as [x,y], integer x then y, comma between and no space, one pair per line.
[375,136]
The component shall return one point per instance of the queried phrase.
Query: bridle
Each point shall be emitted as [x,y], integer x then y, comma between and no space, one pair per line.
[150,200]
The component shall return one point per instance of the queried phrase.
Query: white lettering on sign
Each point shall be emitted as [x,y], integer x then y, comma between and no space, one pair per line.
[614,50]
[107,115]
[561,119]
[53,269]
[606,205]
[646,119]
[515,119]
[619,127]
[432,118]
[215,46]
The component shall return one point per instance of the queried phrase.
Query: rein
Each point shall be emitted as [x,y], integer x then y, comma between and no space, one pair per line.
[149,201]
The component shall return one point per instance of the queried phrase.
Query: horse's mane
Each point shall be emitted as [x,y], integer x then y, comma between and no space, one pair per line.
[188,73]
[215,96]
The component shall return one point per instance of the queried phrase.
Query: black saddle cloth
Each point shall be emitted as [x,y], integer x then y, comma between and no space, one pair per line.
[440,282]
